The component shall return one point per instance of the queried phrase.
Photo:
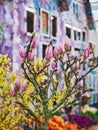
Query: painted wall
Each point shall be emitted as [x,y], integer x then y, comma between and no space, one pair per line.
[19,28]
[6,26]
[19,15]
[13,15]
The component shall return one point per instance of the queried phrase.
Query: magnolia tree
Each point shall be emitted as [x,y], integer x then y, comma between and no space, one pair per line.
[55,79]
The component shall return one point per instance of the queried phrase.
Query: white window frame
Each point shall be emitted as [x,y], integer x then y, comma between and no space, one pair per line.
[53,15]
[77,30]
[79,6]
[30,9]
[41,48]
[74,2]
[68,26]
[44,10]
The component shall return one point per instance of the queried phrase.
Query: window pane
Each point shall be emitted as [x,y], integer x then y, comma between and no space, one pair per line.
[79,35]
[74,8]
[44,22]
[75,37]
[54,26]
[76,11]
[30,22]
[68,32]
[83,36]
[44,50]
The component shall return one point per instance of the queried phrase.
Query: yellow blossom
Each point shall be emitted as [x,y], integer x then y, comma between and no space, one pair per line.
[87,108]
[12,77]
[69,99]
[38,64]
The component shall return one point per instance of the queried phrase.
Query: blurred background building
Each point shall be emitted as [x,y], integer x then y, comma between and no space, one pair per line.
[93,38]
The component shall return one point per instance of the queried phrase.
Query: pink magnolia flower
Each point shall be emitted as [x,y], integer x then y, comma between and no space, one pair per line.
[58,49]
[53,64]
[86,95]
[22,51]
[81,83]
[24,86]
[12,90]
[78,64]
[35,39]
[67,44]
[31,55]
[17,84]
[86,52]
[49,52]
[33,43]
[55,52]
[71,56]
[73,79]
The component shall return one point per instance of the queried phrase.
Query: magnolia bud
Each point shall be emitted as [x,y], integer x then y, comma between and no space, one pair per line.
[24,86]
[17,84]
[22,51]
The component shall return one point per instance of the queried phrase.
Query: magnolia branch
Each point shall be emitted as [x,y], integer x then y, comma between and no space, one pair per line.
[30,111]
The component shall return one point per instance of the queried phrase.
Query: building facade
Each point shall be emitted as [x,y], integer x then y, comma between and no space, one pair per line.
[50,18]
[93,38]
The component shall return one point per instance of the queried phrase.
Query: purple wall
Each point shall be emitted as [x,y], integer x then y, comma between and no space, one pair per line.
[13,22]
[6,25]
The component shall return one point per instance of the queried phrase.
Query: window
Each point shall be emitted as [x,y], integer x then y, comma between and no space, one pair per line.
[75,35]
[1,33]
[93,96]
[54,26]
[30,20]
[78,36]
[68,32]
[75,10]
[80,9]
[96,99]
[43,50]
[83,36]
[44,22]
